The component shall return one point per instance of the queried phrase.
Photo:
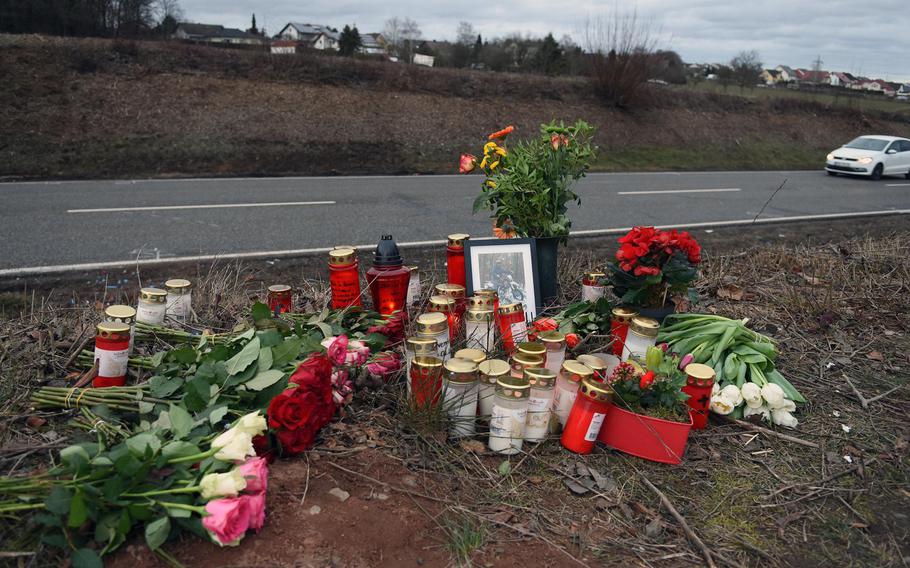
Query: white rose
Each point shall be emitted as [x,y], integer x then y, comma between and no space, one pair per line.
[222,484]
[783,418]
[760,410]
[752,395]
[252,423]
[773,394]
[234,446]
[721,405]
[732,394]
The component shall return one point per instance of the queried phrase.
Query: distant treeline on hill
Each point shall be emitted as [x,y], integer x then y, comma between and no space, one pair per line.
[90,18]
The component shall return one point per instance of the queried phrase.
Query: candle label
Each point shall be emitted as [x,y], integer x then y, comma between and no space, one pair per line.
[592,293]
[519,332]
[149,315]
[538,414]
[176,307]
[112,363]
[508,422]
[594,427]
[562,403]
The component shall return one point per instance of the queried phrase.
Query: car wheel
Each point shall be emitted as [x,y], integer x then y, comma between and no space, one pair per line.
[877,172]
[835,173]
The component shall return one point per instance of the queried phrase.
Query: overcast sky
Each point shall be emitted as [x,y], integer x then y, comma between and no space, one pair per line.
[868,38]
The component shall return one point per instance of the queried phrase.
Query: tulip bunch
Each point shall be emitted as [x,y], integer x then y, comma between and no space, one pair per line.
[769,402]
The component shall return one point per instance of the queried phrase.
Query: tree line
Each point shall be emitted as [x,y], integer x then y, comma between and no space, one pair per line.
[99,18]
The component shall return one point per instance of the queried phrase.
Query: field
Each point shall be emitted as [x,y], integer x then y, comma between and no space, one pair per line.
[87,108]
[833,492]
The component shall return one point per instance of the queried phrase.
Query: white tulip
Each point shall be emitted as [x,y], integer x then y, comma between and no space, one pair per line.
[732,394]
[760,410]
[788,405]
[228,484]
[783,418]
[774,395]
[721,405]
[715,389]
[252,423]
[752,394]
[234,445]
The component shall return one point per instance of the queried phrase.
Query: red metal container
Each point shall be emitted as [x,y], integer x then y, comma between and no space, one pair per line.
[280,299]
[646,437]
[112,353]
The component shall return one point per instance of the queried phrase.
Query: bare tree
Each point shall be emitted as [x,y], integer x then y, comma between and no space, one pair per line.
[620,46]
[401,34]
[165,8]
[746,68]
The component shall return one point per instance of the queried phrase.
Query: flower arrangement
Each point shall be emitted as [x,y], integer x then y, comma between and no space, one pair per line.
[653,267]
[527,185]
[655,390]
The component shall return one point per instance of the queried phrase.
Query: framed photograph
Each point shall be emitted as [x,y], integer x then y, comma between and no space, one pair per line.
[508,266]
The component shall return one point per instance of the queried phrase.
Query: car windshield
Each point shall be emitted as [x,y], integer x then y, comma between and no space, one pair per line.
[875,144]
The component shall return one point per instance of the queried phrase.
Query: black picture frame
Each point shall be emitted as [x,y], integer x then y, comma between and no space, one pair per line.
[475,276]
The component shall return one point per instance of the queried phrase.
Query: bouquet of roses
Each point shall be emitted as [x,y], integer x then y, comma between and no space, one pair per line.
[653,267]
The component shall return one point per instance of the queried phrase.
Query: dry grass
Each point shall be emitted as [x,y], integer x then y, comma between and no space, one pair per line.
[837,310]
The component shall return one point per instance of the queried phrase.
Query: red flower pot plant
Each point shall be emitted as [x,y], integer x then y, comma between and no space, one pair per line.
[649,417]
[654,269]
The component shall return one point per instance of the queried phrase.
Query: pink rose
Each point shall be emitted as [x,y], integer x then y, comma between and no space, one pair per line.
[337,348]
[256,509]
[227,520]
[357,354]
[256,473]
[384,364]
[342,387]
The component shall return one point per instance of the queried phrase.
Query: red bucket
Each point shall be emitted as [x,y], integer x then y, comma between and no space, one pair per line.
[644,436]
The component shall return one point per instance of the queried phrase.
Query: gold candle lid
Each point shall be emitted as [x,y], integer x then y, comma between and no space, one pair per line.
[279,288]
[342,255]
[644,326]
[492,369]
[427,362]
[532,348]
[623,314]
[154,295]
[511,309]
[479,316]
[699,374]
[526,360]
[552,340]
[451,290]
[432,323]
[576,371]
[540,378]
[481,302]
[488,292]
[594,275]
[440,303]
[120,312]
[460,370]
[109,328]
[421,345]
[179,285]
[513,387]
[458,239]
[595,363]
[475,355]
[595,390]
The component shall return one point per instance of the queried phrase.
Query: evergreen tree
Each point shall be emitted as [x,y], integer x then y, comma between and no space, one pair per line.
[253,29]
[478,50]
[549,56]
[349,41]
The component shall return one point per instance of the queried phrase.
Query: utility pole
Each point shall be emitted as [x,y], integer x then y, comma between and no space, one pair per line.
[817,69]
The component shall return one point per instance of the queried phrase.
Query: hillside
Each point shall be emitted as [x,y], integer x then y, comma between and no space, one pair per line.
[100,108]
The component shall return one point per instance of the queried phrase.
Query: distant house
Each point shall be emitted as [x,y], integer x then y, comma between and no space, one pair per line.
[770,76]
[310,35]
[208,33]
[283,46]
[904,90]
[425,60]
[859,82]
[787,75]
[372,44]
[841,79]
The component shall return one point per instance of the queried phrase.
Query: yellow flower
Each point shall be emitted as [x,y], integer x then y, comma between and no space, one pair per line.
[483,163]
[501,151]
[491,183]
[494,164]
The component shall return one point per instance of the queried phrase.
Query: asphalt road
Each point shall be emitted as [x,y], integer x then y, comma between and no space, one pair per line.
[47,226]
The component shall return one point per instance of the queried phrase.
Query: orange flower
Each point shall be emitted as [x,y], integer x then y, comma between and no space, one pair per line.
[466,163]
[554,141]
[501,133]
[507,231]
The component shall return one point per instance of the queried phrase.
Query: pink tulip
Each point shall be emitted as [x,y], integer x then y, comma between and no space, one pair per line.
[227,520]
[256,473]
[664,347]
[466,164]
[685,361]
[256,509]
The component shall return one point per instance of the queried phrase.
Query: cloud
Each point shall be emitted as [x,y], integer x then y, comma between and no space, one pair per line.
[865,38]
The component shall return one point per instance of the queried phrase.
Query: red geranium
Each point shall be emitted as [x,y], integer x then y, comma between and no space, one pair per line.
[653,265]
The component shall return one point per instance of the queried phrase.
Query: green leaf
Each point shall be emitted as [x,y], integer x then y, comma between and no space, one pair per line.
[244,358]
[269,338]
[286,352]
[184,355]
[86,558]
[263,380]
[325,328]
[58,501]
[260,311]
[178,513]
[181,421]
[75,457]
[505,468]
[265,358]
[163,387]
[139,443]
[112,488]
[179,449]
[78,512]
[156,532]
[217,414]
[158,358]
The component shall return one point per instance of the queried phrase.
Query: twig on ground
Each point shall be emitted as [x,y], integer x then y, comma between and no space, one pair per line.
[780,435]
[865,402]
[709,559]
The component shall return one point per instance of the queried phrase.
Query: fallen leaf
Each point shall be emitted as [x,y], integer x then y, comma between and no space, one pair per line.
[578,488]
[605,483]
[875,356]
[473,446]
[505,468]
[811,279]
[653,528]
[502,517]
[730,292]
[535,479]
[35,422]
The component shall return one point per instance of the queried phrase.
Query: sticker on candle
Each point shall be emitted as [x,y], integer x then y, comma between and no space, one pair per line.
[112,363]
[508,422]
[594,427]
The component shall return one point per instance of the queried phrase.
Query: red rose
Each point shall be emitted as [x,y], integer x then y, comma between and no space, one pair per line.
[314,371]
[263,446]
[572,340]
[298,414]
[646,380]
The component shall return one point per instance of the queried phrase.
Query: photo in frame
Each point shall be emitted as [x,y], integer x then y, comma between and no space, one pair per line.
[508,266]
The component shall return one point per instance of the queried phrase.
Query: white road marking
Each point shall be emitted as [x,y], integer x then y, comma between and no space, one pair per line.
[656,192]
[897,184]
[13,272]
[212,206]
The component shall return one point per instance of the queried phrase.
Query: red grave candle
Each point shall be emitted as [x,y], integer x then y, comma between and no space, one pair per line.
[513,328]
[280,299]
[619,328]
[455,258]
[344,277]
[699,383]
[426,381]
[388,278]
[586,417]
[112,353]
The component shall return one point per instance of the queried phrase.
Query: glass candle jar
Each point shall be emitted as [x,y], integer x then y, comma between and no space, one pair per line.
[491,295]
[179,299]
[596,364]
[435,326]
[413,286]
[280,299]
[570,376]
[445,305]
[112,354]
[344,277]
[491,371]
[482,303]
[619,327]
[699,382]
[461,396]
[479,330]
[522,361]
[555,343]
[388,278]
[586,417]
[642,334]
[455,258]
[456,292]
[417,347]
[510,411]
[426,382]
[513,328]
[152,306]
[534,348]
[540,402]
[474,355]
[592,286]
[123,314]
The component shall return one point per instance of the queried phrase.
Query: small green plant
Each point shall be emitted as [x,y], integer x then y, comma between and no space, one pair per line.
[657,391]
[464,535]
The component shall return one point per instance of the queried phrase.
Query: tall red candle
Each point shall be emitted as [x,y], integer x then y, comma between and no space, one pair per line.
[344,277]
[586,417]
[513,328]
[455,258]
[112,353]
[388,278]
[619,327]
[426,381]
[699,383]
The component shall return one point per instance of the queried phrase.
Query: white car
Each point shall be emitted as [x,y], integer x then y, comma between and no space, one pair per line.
[873,156]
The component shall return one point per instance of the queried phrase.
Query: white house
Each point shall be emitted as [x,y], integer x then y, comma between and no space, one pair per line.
[311,35]
[207,33]
[372,44]
[425,60]
[786,73]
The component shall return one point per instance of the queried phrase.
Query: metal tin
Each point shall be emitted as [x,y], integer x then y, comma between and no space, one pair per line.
[644,326]
[492,369]
[154,295]
[540,378]
[511,387]
[475,355]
